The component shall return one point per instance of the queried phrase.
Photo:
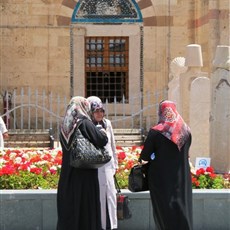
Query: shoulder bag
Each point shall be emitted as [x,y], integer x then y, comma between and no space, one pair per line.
[138,178]
[123,210]
[84,154]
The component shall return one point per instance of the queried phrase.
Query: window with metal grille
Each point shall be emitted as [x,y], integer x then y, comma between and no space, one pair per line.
[106,67]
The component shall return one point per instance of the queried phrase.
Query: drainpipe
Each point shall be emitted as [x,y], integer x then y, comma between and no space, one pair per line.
[71,63]
[141,74]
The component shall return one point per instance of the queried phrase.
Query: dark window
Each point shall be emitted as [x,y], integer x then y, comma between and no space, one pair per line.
[106,63]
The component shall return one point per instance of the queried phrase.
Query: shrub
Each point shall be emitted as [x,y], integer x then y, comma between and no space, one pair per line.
[40,169]
[207,179]
[29,168]
[127,157]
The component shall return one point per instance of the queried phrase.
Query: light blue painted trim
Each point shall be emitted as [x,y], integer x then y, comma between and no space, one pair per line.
[139,18]
[103,20]
[75,11]
[138,10]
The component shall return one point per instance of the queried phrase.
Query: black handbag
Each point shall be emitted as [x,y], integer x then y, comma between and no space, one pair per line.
[84,154]
[123,210]
[138,178]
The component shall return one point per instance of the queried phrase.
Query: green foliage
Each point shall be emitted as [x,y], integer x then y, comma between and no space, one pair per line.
[218,182]
[27,180]
[122,178]
[207,179]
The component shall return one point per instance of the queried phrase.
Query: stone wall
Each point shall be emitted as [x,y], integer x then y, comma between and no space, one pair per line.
[34,209]
[35,40]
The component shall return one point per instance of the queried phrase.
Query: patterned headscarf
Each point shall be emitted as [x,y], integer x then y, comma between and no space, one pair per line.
[171,124]
[95,103]
[77,109]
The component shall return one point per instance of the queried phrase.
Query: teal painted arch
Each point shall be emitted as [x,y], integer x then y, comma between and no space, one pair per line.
[107,11]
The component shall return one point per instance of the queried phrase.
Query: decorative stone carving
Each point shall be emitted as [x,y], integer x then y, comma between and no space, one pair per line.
[177,66]
[103,8]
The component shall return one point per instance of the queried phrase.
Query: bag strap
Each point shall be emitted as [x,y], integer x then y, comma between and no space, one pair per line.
[117,185]
[71,144]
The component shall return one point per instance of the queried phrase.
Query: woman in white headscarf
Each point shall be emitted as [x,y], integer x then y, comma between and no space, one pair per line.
[78,202]
[106,173]
[166,149]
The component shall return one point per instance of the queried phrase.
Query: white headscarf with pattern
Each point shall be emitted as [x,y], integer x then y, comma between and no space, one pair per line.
[77,109]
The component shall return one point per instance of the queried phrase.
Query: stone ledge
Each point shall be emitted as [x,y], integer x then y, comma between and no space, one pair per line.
[36,209]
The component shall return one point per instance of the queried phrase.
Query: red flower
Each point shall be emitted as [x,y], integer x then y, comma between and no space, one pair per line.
[7,170]
[194,179]
[200,171]
[121,155]
[24,167]
[197,183]
[129,164]
[212,175]
[36,158]
[118,147]
[53,171]
[47,157]
[210,170]
[36,170]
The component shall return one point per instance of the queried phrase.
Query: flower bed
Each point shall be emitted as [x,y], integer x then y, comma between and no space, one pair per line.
[40,169]
[206,178]
[29,168]
[127,157]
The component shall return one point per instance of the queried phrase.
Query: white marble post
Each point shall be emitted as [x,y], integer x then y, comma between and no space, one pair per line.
[194,62]
[199,118]
[177,67]
[220,111]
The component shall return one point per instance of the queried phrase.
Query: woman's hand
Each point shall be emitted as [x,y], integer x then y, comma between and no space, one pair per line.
[5,135]
[142,162]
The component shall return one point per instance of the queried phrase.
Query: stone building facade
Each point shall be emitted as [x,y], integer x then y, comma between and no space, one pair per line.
[42,48]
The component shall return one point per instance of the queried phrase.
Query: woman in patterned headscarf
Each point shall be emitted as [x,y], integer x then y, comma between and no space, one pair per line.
[166,149]
[78,202]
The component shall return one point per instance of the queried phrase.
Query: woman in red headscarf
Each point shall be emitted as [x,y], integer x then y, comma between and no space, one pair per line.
[166,149]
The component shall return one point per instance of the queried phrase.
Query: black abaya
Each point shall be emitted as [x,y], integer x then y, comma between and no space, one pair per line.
[169,182]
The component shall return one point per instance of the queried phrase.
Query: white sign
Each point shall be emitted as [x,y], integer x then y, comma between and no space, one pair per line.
[202,162]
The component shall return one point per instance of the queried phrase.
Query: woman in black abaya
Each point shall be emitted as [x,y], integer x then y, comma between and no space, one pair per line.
[78,202]
[166,148]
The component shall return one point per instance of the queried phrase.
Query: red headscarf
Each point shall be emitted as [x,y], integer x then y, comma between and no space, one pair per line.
[171,124]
